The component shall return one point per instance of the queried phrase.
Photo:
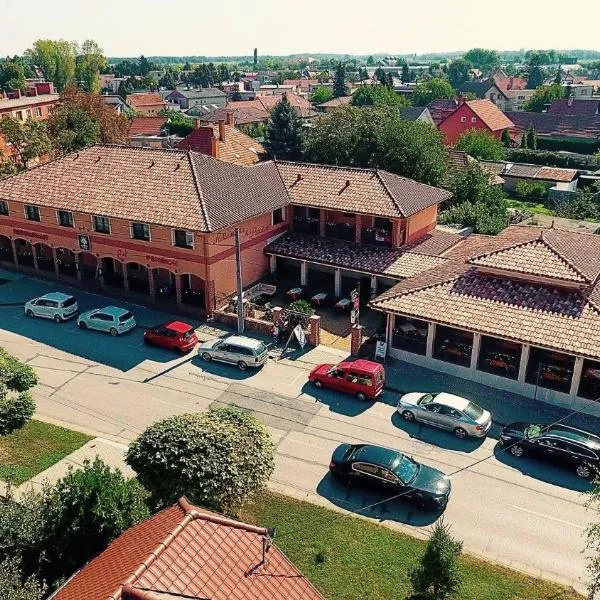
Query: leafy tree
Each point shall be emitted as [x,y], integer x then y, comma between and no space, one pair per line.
[381,76]
[584,205]
[14,586]
[177,123]
[16,405]
[505,139]
[81,120]
[437,576]
[90,62]
[28,138]
[255,59]
[536,77]
[284,136]
[83,512]
[339,81]
[558,78]
[370,62]
[480,144]
[219,458]
[523,143]
[534,190]
[144,66]
[321,94]
[12,76]
[458,71]
[126,87]
[406,76]
[7,167]
[57,58]
[531,138]
[380,138]
[485,60]
[168,81]
[432,89]
[543,95]
[370,95]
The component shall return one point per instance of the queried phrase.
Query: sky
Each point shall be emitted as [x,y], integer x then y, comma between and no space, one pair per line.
[279,27]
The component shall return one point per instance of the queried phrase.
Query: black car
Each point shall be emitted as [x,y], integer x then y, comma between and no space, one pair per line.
[558,443]
[393,472]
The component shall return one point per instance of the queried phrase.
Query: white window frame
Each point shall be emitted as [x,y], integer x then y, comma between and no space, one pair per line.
[132,223]
[7,214]
[273,217]
[473,119]
[72,226]
[463,119]
[38,111]
[94,224]
[187,233]
[33,206]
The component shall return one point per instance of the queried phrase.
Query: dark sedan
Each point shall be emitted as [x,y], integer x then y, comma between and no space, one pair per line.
[393,472]
[559,444]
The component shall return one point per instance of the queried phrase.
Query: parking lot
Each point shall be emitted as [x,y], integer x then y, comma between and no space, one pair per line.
[115,387]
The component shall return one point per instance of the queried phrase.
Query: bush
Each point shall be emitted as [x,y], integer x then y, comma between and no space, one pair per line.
[584,205]
[534,190]
[15,411]
[83,512]
[16,375]
[551,159]
[219,459]
[480,145]
[14,586]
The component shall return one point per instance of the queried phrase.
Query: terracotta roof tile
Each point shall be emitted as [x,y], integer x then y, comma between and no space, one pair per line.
[366,191]
[143,99]
[557,124]
[574,106]
[490,114]
[336,102]
[197,554]
[146,125]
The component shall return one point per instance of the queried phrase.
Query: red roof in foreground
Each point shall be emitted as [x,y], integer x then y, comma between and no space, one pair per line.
[188,552]
[144,99]
[146,125]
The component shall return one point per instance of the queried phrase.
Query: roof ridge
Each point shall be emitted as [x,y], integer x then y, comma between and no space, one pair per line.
[326,166]
[562,257]
[419,288]
[202,203]
[389,193]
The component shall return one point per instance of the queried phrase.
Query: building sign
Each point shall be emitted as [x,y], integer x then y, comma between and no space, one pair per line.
[161,260]
[85,243]
[354,316]
[380,350]
[245,232]
[33,234]
[299,333]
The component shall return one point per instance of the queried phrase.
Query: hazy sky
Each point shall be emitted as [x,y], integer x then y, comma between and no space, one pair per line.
[216,27]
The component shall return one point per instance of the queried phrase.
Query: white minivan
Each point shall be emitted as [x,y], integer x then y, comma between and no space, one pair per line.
[56,305]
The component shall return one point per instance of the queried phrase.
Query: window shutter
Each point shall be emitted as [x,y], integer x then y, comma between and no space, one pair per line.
[189,238]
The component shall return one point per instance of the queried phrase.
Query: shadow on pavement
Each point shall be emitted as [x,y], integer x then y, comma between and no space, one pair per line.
[544,471]
[222,369]
[353,498]
[337,402]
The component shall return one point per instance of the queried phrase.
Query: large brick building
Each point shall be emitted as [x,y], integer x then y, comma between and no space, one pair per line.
[159,224]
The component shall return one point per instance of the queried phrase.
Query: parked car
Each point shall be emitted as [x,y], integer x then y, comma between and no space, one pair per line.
[446,411]
[393,472]
[111,319]
[173,335]
[361,378]
[236,349]
[560,444]
[56,305]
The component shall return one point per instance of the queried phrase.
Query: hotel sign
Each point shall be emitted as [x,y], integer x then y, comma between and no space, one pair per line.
[85,243]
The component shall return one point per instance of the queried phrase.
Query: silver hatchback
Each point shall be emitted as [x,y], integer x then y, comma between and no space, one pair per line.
[446,411]
[236,349]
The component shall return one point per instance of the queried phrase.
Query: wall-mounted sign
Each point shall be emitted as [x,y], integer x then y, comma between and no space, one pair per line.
[161,260]
[32,234]
[85,243]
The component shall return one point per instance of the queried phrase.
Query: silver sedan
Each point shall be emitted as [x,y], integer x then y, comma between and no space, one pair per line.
[446,411]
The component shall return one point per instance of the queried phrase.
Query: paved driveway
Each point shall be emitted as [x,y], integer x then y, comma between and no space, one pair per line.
[519,512]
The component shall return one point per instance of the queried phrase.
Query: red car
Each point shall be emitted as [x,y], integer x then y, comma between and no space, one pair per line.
[173,335]
[361,378]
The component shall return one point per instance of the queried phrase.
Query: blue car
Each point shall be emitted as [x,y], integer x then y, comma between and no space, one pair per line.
[111,319]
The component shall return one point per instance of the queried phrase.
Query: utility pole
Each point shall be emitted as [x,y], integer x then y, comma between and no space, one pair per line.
[238,272]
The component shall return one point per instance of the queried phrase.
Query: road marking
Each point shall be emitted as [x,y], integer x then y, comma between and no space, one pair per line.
[537,514]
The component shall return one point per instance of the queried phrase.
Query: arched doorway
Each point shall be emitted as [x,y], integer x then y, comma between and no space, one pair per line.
[192,290]
[88,266]
[137,277]
[112,272]
[65,259]
[6,251]
[24,253]
[45,258]
[164,282]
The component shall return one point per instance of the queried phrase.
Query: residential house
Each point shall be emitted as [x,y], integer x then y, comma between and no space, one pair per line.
[171,226]
[440,109]
[417,113]
[116,102]
[334,104]
[305,86]
[146,103]
[574,106]
[188,552]
[149,132]
[110,83]
[189,98]
[505,82]
[223,141]
[518,311]
[505,97]
[482,115]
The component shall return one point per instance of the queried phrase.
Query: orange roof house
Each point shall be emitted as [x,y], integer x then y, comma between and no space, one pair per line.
[146,104]
[188,552]
[474,114]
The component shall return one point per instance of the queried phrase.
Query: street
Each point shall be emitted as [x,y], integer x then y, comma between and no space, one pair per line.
[520,512]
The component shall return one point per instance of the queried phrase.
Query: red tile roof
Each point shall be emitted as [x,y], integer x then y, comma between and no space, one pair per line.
[143,99]
[146,125]
[557,125]
[490,114]
[574,106]
[188,552]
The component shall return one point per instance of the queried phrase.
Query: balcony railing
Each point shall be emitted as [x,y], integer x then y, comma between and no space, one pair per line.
[341,231]
[376,237]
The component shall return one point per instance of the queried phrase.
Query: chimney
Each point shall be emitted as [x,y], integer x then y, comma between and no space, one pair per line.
[229,118]
[197,124]
[221,130]
[214,148]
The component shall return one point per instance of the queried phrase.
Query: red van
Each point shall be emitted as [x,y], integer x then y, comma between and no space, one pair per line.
[361,378]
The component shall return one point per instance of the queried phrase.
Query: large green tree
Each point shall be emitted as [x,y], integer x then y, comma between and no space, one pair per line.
[15,586]
[284,137]
[458,71]
[28,138]
[536,77]
[435,88]
[480,144]
[220,458]
[321,94]
[483,59]
[544,95]
[90,62]
[12,76]
[57,58]
[372,95]
[378,137]
[339,81]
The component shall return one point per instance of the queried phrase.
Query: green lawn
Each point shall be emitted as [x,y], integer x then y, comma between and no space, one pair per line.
[353,559]
[537,208]
[34,448]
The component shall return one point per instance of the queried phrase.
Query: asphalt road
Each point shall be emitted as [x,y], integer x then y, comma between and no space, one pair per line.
[519,512]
